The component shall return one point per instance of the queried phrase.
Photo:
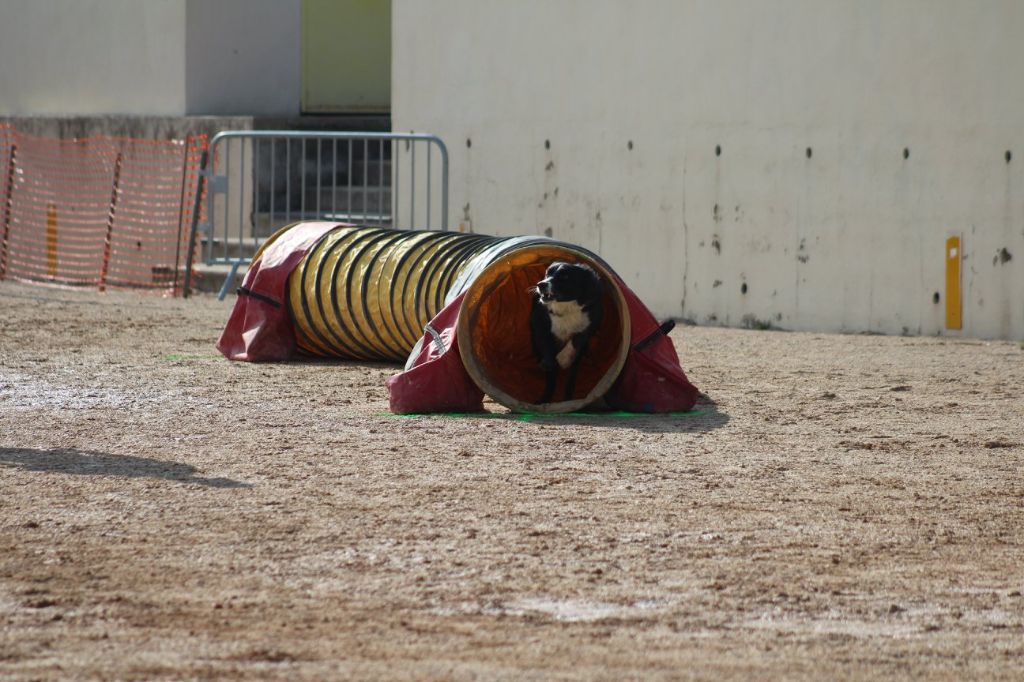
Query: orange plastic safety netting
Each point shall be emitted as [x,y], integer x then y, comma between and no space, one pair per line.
[99,211]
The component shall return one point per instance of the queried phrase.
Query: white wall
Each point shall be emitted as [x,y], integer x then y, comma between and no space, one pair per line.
[243,57]
[92,57]
[149,57]
[850,239]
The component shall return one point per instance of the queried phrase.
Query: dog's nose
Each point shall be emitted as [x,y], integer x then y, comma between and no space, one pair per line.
[544,286]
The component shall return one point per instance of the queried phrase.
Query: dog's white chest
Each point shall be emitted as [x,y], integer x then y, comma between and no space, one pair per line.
[567,318]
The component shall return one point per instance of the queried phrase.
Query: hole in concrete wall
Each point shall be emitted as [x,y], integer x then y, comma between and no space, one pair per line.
[547,144]
[936,297]
[718,150]
[810,152]
[743,288]
[469,143]
[629,145]
[906,152]
[1009,156]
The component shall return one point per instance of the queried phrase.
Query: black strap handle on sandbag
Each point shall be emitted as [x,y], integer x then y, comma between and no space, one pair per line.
[246,291]
[666,327]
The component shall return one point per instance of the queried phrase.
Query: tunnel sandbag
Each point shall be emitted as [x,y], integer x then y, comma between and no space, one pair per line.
[260,329]
[494,330]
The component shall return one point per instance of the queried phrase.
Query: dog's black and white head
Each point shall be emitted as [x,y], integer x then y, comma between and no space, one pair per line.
[566,282]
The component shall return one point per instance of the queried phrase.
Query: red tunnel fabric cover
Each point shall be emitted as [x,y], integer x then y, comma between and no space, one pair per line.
[260,328]
[436,380]
[651,380]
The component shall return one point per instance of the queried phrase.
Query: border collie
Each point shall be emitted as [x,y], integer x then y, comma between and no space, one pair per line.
[566,312]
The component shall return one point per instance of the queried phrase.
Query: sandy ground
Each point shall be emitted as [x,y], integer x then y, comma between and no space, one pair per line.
[848,507]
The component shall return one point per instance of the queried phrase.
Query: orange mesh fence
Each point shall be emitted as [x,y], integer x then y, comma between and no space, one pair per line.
[100,211]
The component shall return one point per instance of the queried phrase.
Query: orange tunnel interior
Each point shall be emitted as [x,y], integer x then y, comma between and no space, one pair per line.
[495,320]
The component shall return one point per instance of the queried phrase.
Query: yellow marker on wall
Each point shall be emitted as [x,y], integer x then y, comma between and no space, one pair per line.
[954,255]
[51,240]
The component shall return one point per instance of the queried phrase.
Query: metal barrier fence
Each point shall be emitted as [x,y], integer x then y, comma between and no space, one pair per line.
[260,181]
[100,211]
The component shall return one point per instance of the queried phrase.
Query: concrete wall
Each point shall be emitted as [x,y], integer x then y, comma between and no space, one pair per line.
[786,162]
[92,57]
[243,57]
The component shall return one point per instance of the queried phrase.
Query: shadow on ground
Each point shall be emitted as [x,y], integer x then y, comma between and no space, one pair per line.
[84,463]
[704,417]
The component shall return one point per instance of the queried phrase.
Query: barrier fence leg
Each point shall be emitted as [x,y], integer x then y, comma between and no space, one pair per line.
[110,223]
[228,281]
[8,206]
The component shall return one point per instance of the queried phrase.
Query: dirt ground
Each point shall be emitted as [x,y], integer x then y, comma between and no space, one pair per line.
[846,507]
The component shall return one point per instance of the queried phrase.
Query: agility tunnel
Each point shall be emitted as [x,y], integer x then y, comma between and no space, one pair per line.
[454,307]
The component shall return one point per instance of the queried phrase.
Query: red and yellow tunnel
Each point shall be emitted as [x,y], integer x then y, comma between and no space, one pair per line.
[366,293]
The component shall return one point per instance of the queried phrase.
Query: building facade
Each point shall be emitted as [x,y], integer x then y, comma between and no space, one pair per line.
[172,58]
[781,163]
